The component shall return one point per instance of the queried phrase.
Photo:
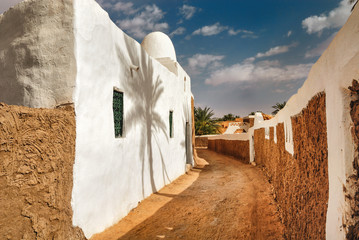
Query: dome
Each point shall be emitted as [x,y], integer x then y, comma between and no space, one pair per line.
[159,45]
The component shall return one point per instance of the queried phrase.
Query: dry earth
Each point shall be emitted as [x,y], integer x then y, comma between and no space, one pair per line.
[226,199]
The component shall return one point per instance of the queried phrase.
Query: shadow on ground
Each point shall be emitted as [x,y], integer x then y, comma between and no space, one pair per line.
[225,200]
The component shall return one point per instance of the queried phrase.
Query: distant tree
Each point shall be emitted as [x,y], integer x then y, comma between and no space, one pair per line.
[228,117]
[204,123]
[254,113]
[277,107]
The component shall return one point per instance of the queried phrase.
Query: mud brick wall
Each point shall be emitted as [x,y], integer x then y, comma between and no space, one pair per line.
[235,148]
[37,152]
[352,194]
[300,181]
[201,141]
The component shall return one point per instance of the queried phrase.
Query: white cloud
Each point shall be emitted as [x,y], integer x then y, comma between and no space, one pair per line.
[246,33]
[6,4]
[187,11]
[106,4]
[218,28]
[276,50]
[334,19]
[259,72]
[249,36]
[319,49]
[289,33]
[178,31]
[198,62]
[249,60]
[125,7]
[144,22]
[233,32]
[210,30]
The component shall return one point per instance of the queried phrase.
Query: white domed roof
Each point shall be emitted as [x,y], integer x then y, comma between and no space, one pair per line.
[159,45]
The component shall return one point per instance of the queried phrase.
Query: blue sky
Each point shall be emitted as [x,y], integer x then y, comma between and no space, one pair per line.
[242,56]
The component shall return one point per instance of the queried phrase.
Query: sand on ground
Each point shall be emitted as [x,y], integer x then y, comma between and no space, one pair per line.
[225,199]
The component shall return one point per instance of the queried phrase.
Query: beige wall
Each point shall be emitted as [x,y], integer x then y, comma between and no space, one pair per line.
[37,152]
[300,181]
[236,148]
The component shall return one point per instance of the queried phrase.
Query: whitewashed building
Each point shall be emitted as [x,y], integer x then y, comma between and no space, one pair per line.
[132,101]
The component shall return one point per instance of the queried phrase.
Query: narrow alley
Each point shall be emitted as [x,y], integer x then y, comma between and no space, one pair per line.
[226,199]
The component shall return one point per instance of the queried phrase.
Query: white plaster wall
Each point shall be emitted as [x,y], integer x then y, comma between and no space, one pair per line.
[37,62]
[112,175]
[332,73]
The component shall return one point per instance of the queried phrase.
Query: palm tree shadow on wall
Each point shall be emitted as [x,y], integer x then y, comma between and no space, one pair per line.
[145,94]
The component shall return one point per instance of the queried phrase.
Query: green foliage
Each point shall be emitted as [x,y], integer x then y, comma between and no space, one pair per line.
[277,107]
[254,113]
[228,117]
[204,123]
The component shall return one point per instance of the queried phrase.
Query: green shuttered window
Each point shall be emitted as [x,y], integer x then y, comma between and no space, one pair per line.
[118,112]
[171,124]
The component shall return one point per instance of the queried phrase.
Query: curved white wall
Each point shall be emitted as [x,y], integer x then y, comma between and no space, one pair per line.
[37,62]
[111,175]
[159,45]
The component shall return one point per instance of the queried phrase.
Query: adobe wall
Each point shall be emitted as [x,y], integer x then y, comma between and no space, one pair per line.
[333,73]
[201,141]
[37,152]
[300,180]
[235,148]
[352,183]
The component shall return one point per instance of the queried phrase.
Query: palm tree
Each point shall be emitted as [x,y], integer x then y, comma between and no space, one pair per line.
[278,106]
[228,117]
[204,124]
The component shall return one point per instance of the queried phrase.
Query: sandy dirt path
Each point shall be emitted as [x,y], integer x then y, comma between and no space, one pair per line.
[225,200]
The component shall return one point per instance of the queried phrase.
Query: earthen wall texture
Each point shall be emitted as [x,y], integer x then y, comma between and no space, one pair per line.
[300,181]
[201,141]
[235,148]
[37,152]
[352,189]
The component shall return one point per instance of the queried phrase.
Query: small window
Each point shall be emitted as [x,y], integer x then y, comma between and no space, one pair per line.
[171,124]
[118,112]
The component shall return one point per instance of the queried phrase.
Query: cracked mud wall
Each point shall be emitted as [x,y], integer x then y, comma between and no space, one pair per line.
[235,148]
[352,184]
[37,152]
[300,181]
